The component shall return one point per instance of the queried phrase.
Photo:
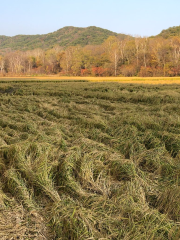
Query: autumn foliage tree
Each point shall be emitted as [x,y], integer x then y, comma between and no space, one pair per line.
[138,56]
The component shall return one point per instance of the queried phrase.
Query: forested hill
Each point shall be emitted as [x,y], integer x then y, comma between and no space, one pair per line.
[67,36]
[170,32]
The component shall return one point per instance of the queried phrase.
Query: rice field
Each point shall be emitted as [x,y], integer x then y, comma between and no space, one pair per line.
[89,160]
[56,78]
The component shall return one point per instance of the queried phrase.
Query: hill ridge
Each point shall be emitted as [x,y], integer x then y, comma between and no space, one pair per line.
[66,36]
[170,32]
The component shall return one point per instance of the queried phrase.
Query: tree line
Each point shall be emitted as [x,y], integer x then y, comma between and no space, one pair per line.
[138,56]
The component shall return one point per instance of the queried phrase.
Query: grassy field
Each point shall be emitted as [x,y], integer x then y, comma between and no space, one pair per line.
[89,160]
[137,80]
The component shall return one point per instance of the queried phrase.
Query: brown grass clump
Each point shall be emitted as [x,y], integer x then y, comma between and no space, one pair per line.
[16,223]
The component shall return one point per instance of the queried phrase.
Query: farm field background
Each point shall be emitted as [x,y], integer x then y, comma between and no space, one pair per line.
[54,78]
[89,160]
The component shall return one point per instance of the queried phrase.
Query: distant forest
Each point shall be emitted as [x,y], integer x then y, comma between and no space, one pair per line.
[91,52]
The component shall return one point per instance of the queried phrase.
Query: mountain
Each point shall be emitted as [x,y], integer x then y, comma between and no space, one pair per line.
[170,32]
[67,36]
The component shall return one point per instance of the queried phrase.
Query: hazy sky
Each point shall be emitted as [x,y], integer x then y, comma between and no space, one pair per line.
[135,17]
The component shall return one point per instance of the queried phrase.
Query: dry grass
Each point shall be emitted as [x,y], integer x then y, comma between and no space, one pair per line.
[16,223]
[134,80]
[86,160]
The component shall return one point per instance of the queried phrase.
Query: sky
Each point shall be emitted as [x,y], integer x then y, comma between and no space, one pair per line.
[134,17]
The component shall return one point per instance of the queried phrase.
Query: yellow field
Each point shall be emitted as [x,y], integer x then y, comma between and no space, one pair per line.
[140,80]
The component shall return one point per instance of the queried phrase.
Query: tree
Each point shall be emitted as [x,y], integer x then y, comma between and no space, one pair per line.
[2,64]
[67,58]
[175,56]
[137,45]
[144,48]
[77,61]
[112,46]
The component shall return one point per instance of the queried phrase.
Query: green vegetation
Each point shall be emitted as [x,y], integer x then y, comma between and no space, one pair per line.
[70,36]
[83,160]
[67,36]
[170,32]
